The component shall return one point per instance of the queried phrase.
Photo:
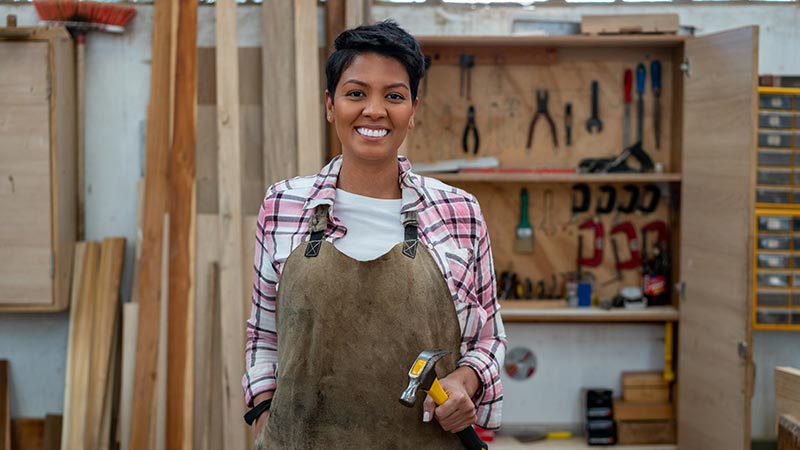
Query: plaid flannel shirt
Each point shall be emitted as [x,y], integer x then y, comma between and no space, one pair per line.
[451,226]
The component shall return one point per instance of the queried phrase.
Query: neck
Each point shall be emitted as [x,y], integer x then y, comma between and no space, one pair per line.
[377,180]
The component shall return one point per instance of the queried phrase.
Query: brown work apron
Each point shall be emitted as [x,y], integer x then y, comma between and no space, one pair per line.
[348,333]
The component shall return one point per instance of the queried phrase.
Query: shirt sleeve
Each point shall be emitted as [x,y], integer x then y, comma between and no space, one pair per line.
[261,350]
[486,353]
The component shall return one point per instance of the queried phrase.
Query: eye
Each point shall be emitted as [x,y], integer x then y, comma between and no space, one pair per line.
[395,96]
[355,94]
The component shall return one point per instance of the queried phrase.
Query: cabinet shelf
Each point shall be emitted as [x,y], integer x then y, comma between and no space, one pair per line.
[577,443]
[556,177]
[650,41]
[512,311]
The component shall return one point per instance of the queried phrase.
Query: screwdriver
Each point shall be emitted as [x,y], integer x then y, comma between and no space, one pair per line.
[655,77]
[640,74]
[626,114]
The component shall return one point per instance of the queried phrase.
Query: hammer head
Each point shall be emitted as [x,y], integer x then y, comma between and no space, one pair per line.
[421,374]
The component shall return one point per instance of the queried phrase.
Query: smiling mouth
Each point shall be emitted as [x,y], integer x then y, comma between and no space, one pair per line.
[372,133]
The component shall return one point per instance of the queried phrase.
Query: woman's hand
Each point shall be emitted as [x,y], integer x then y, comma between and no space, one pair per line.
[259,427]
[458,412]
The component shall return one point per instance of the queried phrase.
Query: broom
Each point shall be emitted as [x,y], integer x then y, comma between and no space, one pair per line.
[80,17]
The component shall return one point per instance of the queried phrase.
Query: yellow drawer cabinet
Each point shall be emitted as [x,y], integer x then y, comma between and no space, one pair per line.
[37,168]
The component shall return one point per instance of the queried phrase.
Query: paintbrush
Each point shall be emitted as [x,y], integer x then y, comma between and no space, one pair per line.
[524,240]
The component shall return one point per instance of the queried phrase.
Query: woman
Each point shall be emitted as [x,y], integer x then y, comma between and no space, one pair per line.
[344,298]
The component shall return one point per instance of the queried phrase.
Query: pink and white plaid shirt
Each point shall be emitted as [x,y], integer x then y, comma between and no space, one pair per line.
[450,225]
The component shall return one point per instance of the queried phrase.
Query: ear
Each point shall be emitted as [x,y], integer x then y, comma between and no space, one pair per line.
[413,111]
[328,106]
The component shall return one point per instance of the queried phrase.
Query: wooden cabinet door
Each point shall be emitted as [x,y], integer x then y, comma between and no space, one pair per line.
[717,201]
[26,254]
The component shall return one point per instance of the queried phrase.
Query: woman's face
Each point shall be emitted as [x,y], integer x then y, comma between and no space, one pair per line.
[372,108]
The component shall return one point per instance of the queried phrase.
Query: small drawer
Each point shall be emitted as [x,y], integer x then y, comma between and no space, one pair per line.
[769,316]
[795,224]
[774,261]
[774,138]
[775,195]
[774,176]
[796,261]
[773,279]
[774,223]
[775,120]
[772,298]
[796,279]
[776,242]
[775,157]
[796,317]
[775,101]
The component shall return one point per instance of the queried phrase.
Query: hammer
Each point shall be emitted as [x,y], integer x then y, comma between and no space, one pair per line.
[423,375]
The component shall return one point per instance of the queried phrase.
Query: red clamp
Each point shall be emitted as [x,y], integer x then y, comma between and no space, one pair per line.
[633,244]
[597,257]
[660,228]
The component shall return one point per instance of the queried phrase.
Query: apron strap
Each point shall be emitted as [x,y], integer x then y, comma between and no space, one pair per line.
[410,242]
[317,226]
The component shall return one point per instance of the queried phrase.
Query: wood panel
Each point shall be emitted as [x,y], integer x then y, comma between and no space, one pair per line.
[79,266]
[310,104]
[555,236]
[52,432]
[717,210]
[25,81]
[27,434]
[230,217]
[155,206]
[279,87]
[182,169]
[130,318]
[788,433]
[5,408]
[787,391]
[334,25]
[504,97]
[357,12]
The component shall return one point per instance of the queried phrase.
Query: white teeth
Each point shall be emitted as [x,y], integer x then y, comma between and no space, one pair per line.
[372,133]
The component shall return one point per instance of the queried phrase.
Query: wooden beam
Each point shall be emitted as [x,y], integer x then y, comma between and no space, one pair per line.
[130,318]
[787,392]
[310,107]
[278,92]
[357,13]
[334,25]
[182,170]
[155,205]
[52,432]
[230,214]
[5,410]
[78,267]
[27,434]
[79,352]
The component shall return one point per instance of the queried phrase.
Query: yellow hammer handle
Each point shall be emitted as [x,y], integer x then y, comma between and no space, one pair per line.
[437,392]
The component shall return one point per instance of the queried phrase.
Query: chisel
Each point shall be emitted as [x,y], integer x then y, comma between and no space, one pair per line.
[655,79]
[640,74]
[626,115]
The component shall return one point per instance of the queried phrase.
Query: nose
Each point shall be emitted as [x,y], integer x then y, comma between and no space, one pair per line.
[374,109]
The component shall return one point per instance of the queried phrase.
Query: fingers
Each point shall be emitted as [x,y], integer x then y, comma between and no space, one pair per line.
[457,413]
[428,408]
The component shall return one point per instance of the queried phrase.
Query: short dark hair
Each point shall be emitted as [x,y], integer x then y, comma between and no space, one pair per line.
[384,38]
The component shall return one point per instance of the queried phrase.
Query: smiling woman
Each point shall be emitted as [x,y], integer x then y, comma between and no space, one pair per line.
[340,278]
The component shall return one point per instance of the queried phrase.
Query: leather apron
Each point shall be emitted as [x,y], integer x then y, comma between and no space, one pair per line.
[349,332]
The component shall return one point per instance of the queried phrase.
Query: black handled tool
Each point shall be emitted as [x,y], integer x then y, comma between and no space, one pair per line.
[422,375]
[655,78]
[470,127]
[594,122]
[568,123]
[611,197]
[640,75]
[655,195]
[541,110]
[633,199]
[581,199]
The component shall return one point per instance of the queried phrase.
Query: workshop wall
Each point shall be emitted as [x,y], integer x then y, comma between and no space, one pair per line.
[118,82]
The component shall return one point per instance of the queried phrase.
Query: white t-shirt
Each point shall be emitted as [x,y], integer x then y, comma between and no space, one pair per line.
[374,225]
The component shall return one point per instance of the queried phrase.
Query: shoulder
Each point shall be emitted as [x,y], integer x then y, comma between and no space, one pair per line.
[291,191]
[439,194]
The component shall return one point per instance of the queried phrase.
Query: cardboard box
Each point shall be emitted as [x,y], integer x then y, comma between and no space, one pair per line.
[630,24]
[646,394]
[648,432]
[631,411]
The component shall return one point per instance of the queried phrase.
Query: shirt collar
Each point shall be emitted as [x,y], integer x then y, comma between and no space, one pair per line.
[323,192]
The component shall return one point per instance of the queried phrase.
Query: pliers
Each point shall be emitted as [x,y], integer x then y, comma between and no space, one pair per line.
[541,108]
[470,127]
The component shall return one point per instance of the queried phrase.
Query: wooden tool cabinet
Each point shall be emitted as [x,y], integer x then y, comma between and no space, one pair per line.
[37,168]
[707,154]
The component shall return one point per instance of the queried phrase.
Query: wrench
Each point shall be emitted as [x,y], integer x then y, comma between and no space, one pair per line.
[594,121]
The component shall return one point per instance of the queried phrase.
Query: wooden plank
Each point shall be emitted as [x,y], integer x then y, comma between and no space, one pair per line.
[356,13]
[310,108]
[27,434]
[158,418]
[230,214]
[640,379]
[788,433]
[646,432]
[627,411]
[629,23]
[787,391]
[104,325]
[646,394]
[279,88]
[52,432]
[556,41]
[76,397]
[446,54]
[155,206]
[130,317]
[597,315]
[182,169]
[717,204]
[5,408]
[334,25]
[75,289]
[505,442]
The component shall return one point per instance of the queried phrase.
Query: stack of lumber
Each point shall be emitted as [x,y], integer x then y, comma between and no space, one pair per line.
[787,407]
[645,414]
[92,352]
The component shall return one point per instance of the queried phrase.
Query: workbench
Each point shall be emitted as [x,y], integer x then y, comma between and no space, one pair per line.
[576,443]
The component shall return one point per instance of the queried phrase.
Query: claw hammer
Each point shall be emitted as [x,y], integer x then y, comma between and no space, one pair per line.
[422,375]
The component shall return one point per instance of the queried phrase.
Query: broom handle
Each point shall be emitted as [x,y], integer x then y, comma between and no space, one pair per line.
[80,100]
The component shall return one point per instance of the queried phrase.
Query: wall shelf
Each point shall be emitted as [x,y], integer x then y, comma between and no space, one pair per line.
[513,313]
[522,177]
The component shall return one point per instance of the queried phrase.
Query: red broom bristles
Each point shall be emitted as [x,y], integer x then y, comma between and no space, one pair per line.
[84,11]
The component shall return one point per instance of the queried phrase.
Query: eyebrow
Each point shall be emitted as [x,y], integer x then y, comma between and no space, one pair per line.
[388,86]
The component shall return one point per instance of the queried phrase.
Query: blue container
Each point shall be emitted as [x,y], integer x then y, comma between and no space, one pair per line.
[584,295]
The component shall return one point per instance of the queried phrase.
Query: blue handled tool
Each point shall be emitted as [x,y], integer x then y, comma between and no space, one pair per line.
[640,75]
[655,77]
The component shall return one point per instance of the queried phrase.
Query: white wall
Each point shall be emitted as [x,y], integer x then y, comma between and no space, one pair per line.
[118,85]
